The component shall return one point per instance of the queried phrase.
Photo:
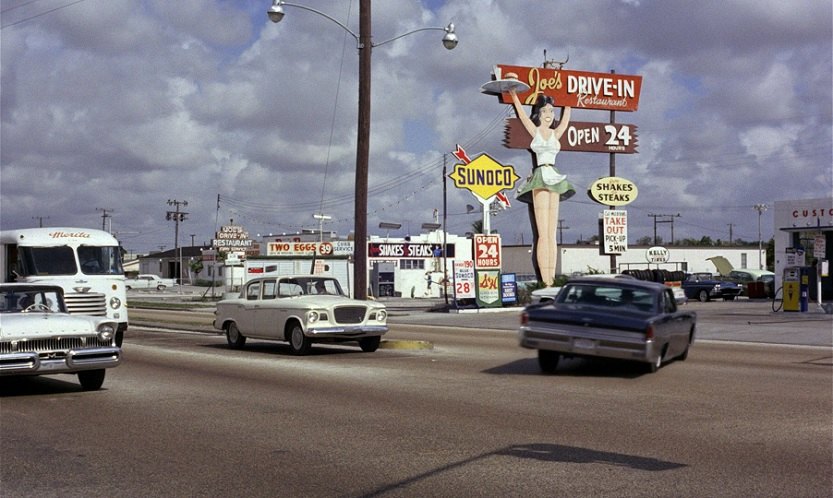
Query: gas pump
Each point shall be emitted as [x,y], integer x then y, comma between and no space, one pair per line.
[796,288]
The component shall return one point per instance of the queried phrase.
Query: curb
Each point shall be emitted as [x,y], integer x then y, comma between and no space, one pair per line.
[412,345]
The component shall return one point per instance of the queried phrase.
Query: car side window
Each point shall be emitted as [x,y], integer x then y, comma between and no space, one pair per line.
[288,288]
[669,305]
[253,291]
[269,289]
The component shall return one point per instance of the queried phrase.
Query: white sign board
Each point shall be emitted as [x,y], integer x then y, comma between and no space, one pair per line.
[615,231]
[657,254]
[819,247]
[464,283]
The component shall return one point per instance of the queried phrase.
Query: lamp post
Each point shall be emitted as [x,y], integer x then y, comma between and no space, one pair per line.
[365,46]
[760,208]
[321,217]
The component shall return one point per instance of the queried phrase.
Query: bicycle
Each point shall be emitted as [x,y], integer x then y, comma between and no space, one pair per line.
[778,299]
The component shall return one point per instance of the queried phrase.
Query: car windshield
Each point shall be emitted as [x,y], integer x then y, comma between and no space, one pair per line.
[607,296]
[23,300]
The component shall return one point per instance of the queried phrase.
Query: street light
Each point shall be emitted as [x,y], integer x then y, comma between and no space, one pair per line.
[760,208]
[321,218]
[365,46]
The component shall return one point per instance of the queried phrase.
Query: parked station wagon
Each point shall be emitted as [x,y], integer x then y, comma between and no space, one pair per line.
[301,310]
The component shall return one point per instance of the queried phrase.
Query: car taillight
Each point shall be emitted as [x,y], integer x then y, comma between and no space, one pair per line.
[524,318]
[649,332]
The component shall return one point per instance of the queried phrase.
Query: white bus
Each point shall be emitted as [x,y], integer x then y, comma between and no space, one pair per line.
[86,263]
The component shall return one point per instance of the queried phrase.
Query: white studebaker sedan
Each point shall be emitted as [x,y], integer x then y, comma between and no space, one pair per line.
[148,282]
[301,310]
[39,337]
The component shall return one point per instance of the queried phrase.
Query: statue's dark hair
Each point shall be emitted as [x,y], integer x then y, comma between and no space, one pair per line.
[540,102]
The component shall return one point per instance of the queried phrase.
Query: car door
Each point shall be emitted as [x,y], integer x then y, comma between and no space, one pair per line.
[677,323]
[246,308]
[267,314]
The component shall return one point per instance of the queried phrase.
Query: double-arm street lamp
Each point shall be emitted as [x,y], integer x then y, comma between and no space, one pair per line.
[365,46]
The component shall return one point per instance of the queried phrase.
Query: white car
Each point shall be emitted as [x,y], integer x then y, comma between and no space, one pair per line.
[148,282]
[301,310]
[39,337]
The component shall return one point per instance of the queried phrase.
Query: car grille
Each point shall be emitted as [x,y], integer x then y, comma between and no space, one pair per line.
[52,344]
[350,314]
[86,304]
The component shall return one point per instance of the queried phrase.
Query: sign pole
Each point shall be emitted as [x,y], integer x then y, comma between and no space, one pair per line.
[612,168]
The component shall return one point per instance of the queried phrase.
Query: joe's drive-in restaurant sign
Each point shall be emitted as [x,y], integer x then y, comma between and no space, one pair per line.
[579,90]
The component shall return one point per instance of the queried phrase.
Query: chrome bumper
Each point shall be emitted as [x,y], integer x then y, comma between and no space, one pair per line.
[346,331]
[34,363]
[602,346]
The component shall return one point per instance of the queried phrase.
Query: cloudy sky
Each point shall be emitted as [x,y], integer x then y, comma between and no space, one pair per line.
[117,106]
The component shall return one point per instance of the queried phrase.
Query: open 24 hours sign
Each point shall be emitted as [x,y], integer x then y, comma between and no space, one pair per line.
[487,252]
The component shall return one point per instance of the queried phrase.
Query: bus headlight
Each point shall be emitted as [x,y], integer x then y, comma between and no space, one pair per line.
[115,303]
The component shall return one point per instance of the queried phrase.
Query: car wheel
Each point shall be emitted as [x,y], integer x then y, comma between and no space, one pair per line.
[703,296]
[370,344]
[160,287]
[235,339]
[684,355]
[299,344]
[548,360]
[91,380]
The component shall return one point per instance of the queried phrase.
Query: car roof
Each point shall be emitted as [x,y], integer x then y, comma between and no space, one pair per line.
[619,282]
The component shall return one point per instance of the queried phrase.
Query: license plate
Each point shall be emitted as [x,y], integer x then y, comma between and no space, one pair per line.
[584,344]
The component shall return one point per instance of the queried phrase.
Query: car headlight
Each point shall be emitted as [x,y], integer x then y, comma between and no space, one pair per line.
[381,315]
[106,332]
[313,316]
[115,302]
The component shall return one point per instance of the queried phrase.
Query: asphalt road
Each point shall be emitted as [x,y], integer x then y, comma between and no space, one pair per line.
[186,416]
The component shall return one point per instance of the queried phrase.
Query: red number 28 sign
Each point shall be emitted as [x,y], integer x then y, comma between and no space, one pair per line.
[487,252]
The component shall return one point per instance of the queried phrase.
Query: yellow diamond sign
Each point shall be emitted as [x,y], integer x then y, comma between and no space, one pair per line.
[484,177]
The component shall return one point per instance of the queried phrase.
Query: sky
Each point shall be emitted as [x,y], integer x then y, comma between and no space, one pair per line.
[112,108]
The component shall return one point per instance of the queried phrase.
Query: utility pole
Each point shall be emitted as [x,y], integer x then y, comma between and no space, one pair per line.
[40,220]
[730,232]
[561,228]
[669,220]
[104,217]
[177,216]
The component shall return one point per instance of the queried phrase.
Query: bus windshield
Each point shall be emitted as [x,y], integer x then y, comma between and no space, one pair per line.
[43,261]
[100,260]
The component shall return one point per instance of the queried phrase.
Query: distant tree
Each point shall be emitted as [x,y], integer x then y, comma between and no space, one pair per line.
[477,226]
[645,241]
[706,241]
